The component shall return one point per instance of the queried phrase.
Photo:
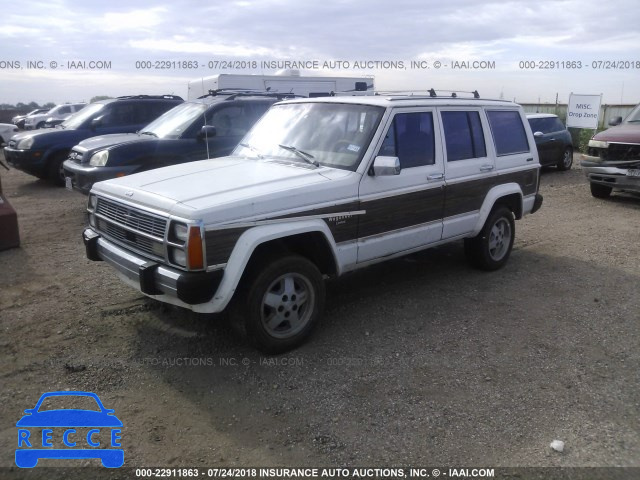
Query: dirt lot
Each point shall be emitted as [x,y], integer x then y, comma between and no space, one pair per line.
[420,361]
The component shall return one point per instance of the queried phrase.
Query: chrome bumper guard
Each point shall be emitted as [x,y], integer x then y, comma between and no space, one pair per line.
[153,278]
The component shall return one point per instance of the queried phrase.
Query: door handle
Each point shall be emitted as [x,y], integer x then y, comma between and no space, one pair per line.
[436,176]
[530,159]
[486,168]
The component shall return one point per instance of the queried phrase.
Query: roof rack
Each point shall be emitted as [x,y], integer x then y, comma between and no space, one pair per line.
[431,93]
[234,93]
[156,97]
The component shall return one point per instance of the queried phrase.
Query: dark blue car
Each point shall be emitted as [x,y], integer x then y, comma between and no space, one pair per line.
[208,127]
[42,152]
[41,427]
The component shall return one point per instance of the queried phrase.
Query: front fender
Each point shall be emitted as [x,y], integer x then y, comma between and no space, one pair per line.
[247,244]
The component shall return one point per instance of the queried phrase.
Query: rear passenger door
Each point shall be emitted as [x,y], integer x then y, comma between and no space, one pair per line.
[469,168]
[404,211]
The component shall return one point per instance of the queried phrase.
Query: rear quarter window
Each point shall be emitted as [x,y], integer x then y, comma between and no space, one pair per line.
[509,134]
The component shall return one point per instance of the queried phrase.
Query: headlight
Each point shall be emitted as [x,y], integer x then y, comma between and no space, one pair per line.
[99,159]
[179,257]
[25,143]
[180,232]
[598,144]
[93,201]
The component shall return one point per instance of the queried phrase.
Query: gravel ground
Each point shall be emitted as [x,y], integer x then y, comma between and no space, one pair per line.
[420,361]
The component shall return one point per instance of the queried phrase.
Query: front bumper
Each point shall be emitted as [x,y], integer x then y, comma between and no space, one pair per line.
[30,161]
[150,277]
[83,176]
[611,176]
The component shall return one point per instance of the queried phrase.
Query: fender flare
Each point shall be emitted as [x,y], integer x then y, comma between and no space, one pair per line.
[246,246]
[490,200]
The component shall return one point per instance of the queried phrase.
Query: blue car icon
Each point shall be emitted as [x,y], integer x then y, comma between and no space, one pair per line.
[79,433]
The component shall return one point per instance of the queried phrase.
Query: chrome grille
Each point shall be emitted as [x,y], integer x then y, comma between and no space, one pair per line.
[75,156]
[143,244]
[131,217]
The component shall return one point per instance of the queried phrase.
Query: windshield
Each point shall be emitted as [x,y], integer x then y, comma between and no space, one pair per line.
[634,116]
[329,134]
[173,123]
[80,117]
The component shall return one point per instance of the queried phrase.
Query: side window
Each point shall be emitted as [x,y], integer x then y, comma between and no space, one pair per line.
[557,125]
[463,135]
[229,121]
[509,135]
[410,138]
[536,125]
[119,114]
[64,110]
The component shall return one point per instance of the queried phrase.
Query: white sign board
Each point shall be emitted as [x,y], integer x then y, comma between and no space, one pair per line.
[583,111]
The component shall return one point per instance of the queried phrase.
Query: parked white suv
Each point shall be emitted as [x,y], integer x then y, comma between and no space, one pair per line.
[38,120]
[318,187]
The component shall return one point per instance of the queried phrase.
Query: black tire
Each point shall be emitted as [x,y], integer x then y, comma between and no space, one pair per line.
[490,249]
[55,172]
[275,318]
[566,161]
[600,191]
[40,125]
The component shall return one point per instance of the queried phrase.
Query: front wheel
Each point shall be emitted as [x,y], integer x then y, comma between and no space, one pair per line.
[567,159]
[490,249]
[55,171]
[284,302]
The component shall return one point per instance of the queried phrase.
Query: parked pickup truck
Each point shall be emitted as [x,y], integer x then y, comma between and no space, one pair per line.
[613,158]
[318,187]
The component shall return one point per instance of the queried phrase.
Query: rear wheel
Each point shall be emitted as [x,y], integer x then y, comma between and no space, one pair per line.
[490,249]
[600,191]
[283,303]
[567,159]
[40,125]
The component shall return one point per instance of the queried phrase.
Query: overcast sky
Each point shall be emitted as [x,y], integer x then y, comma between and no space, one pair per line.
[56,32]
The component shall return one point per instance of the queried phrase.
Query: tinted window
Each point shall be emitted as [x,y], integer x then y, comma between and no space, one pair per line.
[64,110]
[546,124]
[229,121]
[463,135]
[119,114]
[556,125]
[509,135]
[410,138]
[145,112]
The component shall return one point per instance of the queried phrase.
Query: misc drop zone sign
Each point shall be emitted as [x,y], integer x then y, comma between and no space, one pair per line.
[583,111]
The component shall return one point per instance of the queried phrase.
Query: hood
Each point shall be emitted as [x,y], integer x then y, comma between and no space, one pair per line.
[47,136]
[103,141]
[229,188]
[625,133]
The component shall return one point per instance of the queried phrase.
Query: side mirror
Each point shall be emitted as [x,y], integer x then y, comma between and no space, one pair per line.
[385,166]
[207,131]
[615,121]
[538,134]
[96,122]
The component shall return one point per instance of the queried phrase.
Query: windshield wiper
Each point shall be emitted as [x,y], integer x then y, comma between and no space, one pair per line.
[253,149]
[147,132]
[307,157]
